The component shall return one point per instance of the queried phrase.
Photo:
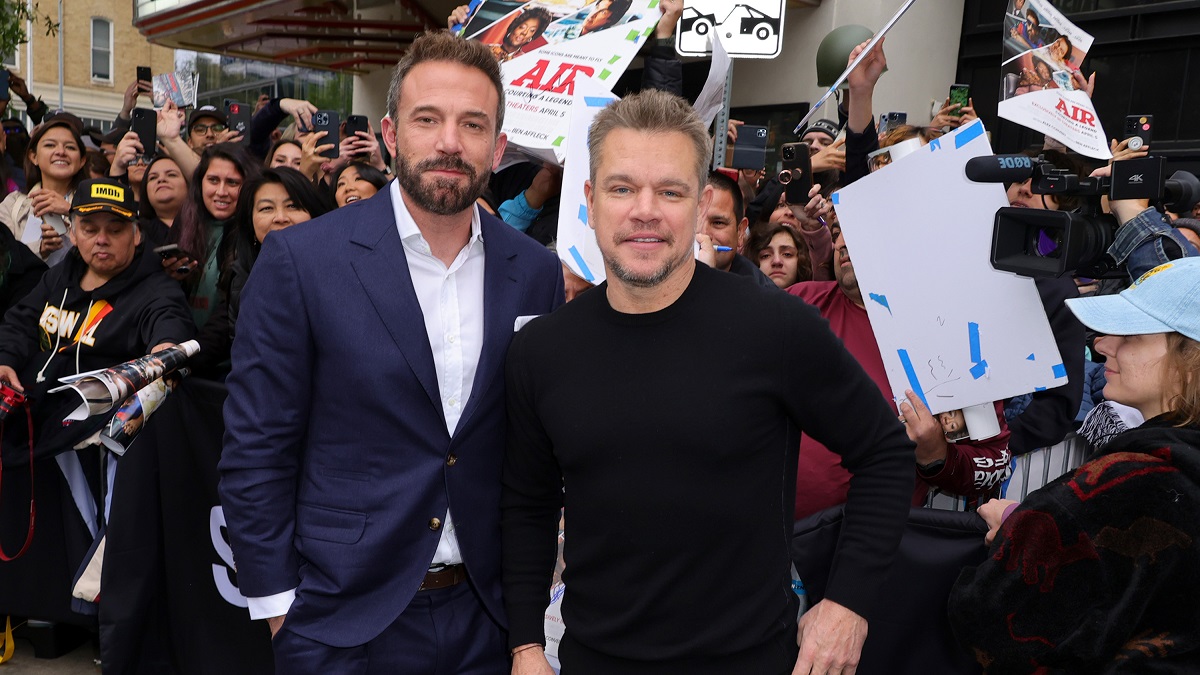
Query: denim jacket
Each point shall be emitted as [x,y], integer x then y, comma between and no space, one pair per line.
[1147,241]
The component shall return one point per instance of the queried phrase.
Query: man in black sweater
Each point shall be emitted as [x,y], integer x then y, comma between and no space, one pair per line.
[679,474]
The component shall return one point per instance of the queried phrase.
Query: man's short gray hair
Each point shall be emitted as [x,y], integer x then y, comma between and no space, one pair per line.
[652,111]
[445,46]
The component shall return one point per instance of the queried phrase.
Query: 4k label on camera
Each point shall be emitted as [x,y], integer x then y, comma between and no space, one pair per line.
[747,30]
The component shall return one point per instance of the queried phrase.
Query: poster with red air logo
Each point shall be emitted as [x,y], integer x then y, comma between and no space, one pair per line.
[550,50]
[1041,85]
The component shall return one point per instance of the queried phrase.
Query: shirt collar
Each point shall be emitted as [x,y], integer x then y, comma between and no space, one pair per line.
[409,232]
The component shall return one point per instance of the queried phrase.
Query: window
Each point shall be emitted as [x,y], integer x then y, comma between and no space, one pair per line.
[12,60]
[102,49]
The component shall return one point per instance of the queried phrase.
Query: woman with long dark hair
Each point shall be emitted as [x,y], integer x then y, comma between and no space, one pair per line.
[54,165]
[205,225]
[276,199]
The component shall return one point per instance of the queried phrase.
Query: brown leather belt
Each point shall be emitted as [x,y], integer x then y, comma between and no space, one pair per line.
[444,578]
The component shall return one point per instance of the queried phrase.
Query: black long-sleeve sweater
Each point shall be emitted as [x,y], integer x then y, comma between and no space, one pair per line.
[671,438]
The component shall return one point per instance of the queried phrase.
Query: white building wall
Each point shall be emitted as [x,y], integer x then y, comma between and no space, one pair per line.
[922,53]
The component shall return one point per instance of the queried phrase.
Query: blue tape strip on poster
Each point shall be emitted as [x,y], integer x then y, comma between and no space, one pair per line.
[587,272]
[969,134]
[911,372]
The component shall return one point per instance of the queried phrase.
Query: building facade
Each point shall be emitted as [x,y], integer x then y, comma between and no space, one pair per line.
[101,50]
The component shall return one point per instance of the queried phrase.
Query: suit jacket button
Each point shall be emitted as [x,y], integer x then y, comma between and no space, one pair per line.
[451,460]
[435,524]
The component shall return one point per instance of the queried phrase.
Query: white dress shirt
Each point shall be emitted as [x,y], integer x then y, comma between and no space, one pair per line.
[451,300]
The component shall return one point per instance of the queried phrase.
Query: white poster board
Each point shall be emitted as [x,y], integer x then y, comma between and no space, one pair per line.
[576,243]
[1040,79]
[546,48]
[949,326]
[749,29]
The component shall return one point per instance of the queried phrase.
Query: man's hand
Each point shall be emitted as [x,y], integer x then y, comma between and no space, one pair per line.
[16,84]
[170,121]
[923,429]
[993,514]
[1087,86]
[707,254]
[10,376]
[459,15]
[671,11]
[546,185]
[301,111]
[531,661]
[161,346]
[831,639]
[129,102]
[867,74]
[832,156]
[812,214]
[179,268]
[229,135]
[275,623]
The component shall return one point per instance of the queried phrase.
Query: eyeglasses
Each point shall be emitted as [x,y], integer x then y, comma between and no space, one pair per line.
[205,128]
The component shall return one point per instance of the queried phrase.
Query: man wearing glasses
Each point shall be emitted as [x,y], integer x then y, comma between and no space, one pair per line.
[204,128]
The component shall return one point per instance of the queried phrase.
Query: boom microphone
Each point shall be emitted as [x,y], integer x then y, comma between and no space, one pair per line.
[1001,168]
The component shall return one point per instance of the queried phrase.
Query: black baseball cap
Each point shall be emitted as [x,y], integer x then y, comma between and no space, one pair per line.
[827,127]
[206,111]
[104,194]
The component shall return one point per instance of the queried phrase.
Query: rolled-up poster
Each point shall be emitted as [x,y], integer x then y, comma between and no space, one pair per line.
[102,390]
[133,414]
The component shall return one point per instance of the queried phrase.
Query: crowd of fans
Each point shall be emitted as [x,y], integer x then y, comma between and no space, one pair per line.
[204,198]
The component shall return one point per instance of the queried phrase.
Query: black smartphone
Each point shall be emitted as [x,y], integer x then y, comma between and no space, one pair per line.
[960,94]
[354,124]
[750,151]
[1140,127]
[145,125]
[238,118]
[144,75]
[4,94]
[169,251]
[796,176]
[327,121]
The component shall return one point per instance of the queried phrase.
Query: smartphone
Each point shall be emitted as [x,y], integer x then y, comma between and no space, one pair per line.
[1139,129]
[895,120]
[750,151]
[56,221]
[238,118]
[960,94]
[169,251]
[327,121]
[145,125]
[796,176]
[4,95]
[881,128]
[354,124]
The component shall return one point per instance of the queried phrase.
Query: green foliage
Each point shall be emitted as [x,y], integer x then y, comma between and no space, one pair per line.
[13,15]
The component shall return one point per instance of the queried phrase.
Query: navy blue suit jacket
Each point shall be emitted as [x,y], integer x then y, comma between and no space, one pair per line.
[336,452]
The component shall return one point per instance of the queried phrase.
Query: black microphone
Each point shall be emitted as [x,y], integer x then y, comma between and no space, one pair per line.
[1001,168]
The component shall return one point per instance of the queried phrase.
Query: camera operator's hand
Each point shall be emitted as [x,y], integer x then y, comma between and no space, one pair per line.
[832,156]
[10,376]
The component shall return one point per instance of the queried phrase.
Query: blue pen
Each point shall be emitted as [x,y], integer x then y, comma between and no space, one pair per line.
[721,249]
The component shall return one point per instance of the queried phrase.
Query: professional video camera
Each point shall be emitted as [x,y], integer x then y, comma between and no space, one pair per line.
[1038,243]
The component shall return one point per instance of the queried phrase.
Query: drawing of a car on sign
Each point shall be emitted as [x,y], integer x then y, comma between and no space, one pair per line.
[757,24]
[694,21]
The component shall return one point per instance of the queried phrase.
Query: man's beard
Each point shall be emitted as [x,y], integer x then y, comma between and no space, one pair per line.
[443,197]
[642,280]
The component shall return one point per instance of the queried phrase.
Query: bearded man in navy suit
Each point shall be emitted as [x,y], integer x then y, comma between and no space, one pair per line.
[360,477]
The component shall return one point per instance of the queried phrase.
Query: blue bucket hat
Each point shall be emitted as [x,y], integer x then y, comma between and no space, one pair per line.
[1166,299]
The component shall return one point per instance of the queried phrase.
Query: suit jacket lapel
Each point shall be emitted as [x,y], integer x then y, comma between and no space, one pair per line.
[501,296]
[382,269]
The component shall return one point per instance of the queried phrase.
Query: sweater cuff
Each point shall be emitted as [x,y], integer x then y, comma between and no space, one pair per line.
[526,624]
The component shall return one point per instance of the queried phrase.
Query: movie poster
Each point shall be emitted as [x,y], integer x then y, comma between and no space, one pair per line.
[1041,85]
[547,48]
